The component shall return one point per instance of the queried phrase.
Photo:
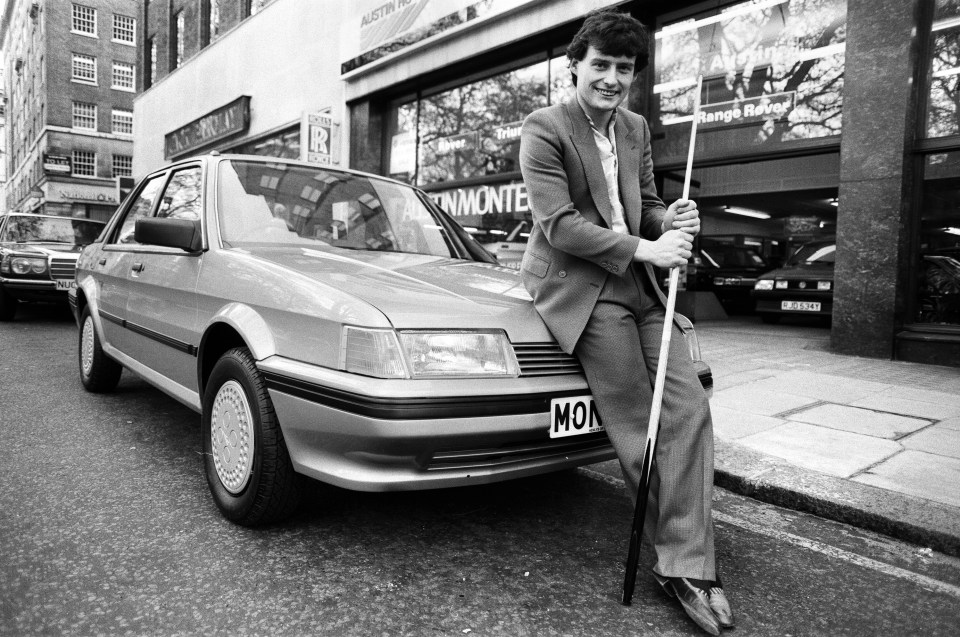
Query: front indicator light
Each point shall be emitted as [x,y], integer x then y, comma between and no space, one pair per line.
[781,285]
[371,352]
[763,284]
[823,285]
[461,354]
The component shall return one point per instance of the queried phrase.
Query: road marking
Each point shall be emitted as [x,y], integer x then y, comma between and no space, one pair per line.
[813,545]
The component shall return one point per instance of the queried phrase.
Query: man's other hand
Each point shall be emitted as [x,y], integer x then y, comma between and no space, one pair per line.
[683,215]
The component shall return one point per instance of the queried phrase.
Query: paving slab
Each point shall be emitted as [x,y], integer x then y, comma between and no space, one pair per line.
[950,395]
[860,421]
[950,423]
[894,403]
[832,451]
[763,401]
[834,389]
[730,424]
[919,474]
[938,440]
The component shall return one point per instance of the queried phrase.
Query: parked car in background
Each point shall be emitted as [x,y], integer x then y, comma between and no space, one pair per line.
[729,270]
[509,252]
[38,257]
[803,286]
[329,324]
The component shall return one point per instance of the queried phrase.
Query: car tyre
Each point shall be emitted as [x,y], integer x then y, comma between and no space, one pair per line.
[771,319]
[248,468]
[98,372]
[8,306]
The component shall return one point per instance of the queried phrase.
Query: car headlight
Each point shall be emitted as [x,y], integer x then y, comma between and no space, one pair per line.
[823,285]
[26,265]
[763,284]
[427,354]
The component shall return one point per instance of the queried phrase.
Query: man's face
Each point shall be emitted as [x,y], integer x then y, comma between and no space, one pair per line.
[603,81]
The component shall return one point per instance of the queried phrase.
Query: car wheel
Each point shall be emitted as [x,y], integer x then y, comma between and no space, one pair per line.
[8,306]
[247,464]
[98,372]
[770,318]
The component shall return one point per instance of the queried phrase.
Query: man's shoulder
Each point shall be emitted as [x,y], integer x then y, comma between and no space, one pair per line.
[554,113]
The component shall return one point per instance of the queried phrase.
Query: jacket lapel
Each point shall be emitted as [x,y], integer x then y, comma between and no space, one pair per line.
[586,146]
[628,165]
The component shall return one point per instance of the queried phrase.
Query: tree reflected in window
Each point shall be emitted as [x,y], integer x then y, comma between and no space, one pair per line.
[943,114]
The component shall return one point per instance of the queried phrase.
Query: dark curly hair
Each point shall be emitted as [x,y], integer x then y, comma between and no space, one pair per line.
[611,33]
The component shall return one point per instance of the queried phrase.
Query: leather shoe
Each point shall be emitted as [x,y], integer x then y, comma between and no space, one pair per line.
[693,599]
[720,606]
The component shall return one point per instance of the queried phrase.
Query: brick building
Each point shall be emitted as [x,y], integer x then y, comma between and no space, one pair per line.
[70,79]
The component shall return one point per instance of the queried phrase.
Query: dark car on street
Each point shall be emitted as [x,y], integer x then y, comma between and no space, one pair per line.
[802,287]
[38,257]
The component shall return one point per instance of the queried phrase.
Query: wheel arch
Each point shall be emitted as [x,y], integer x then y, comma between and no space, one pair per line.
[234,326]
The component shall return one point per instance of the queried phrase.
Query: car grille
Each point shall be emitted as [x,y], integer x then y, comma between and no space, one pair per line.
[63,268]
[545,359]
[542,449]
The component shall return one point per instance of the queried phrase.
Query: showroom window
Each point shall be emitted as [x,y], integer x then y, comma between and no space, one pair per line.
[772,79]
[471,130]
[938,280]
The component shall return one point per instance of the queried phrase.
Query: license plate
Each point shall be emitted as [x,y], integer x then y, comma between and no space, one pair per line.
[800,306]
[66,284]
[573,416]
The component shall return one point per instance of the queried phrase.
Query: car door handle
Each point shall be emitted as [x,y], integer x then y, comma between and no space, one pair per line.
[137,267]
[102,261]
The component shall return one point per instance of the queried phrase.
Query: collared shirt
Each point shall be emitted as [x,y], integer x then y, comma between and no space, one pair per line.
[607,145]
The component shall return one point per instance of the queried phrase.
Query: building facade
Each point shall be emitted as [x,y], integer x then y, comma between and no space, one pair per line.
[833,119]
[71,78]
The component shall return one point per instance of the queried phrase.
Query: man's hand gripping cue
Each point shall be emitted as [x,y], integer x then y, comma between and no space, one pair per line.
[681,224]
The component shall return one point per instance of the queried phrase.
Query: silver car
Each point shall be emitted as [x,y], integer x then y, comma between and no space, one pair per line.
[329,324]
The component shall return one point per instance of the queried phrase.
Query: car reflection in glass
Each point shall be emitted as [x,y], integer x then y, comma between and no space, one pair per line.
[802,287]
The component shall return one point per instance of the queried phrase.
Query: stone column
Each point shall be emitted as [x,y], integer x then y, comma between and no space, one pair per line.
[879,107]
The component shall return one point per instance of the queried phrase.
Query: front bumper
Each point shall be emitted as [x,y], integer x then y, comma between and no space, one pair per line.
[374,435]
[33,289]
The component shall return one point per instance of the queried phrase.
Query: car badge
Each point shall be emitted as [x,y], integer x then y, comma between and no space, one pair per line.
[803,284]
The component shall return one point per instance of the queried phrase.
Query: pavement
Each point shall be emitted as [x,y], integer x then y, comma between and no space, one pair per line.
[869,442]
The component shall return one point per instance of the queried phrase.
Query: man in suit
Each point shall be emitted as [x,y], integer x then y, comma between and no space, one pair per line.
[599,229]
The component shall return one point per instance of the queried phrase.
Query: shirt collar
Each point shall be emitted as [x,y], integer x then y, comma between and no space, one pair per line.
[613,120]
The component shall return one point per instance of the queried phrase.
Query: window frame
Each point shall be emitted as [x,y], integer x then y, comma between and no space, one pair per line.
[83,58]
[95,116]
[120,114]
[132,30]
[74,18]
[75,163]
[128,168]
[124,66]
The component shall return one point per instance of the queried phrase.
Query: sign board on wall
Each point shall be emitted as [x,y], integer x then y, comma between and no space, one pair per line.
[320,138]
[56,164]
[403,153]
[377,28]
[87,193]
[225,121]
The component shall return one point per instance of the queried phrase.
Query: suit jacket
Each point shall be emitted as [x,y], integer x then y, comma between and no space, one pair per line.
[572,247]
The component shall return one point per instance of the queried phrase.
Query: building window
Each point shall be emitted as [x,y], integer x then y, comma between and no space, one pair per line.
[943,116]
[122,122]
[85,116]
[84,163]
[123,77]
[84,20]
[124,29]
[122,165]
[176,46]
[84,69]
[151,63]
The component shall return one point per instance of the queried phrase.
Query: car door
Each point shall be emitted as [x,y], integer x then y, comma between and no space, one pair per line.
[112,267]
[162,329]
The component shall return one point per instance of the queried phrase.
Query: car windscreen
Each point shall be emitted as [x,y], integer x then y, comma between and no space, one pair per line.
[264,203]
[731,257]
[820,253]
[33,229]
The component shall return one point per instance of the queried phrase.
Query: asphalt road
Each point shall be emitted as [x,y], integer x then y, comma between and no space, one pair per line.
[107,527]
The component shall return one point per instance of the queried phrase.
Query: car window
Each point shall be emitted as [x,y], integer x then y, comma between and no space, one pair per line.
[267,203]
[181,199]
[140,207]
[37,229]
[815,253]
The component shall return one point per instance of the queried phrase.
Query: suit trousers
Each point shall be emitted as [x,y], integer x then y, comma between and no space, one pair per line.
[619,350]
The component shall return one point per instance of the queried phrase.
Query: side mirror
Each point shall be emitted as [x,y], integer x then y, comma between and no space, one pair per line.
[172,233]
